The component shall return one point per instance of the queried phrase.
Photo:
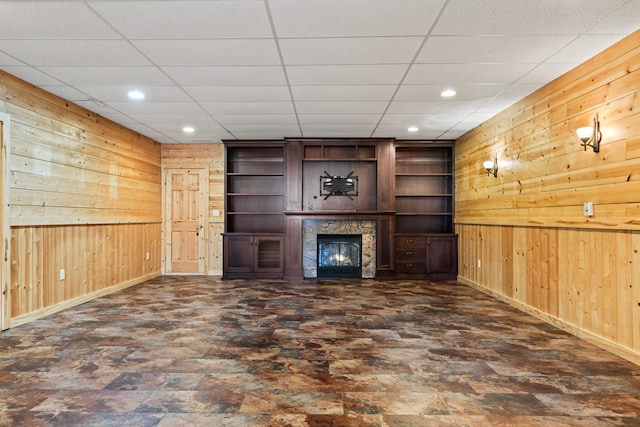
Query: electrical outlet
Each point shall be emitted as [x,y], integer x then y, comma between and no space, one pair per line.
[62,275]
[588,208]
[147,256]
[479,264]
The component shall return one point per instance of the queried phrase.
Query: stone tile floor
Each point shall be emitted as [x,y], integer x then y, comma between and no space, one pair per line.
[199,351]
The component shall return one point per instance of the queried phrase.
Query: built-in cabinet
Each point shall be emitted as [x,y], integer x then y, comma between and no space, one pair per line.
[424,239]
[254,203]
[405,186]
[253,255]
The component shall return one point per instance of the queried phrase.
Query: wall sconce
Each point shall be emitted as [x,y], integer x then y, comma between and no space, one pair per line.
[491,166]
[590,135]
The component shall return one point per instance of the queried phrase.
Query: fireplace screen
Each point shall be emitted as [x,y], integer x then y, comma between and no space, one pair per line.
[339,255]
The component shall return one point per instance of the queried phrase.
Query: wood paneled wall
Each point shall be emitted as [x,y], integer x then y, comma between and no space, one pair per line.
[84,195]
[193,155]
[523,236]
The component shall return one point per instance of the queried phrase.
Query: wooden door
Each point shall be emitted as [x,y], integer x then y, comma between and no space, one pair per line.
[186,206]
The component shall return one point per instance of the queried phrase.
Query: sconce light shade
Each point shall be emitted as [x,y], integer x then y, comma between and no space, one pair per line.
[590,135]
[491,166]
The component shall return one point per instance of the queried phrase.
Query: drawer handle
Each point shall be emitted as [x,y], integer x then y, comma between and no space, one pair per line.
[410,253]
[409,265]
[410,241]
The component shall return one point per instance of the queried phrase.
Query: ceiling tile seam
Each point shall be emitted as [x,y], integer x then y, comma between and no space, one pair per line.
[576,37]
[159,68]
[413,61]
[282,64]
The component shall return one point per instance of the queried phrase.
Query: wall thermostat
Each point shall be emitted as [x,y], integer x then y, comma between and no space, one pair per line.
[588,208]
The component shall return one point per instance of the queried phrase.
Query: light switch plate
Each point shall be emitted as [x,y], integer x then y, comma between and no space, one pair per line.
[588,208]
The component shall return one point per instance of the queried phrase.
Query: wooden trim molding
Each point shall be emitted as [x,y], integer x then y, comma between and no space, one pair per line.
[39,314]
[588,336]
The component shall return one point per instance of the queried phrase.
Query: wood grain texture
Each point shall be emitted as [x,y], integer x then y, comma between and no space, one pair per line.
[211,156]
[83,195]
[536,248]
[70,166]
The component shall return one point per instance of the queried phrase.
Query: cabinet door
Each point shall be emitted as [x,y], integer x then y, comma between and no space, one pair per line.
[268,254]
[442,255]
[238,254]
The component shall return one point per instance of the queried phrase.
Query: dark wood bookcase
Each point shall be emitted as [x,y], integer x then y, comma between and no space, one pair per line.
[254,204]
[424,237]
[272,186]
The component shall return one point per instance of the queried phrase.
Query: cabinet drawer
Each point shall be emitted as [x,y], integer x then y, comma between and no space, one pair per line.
[411,254]
[411,267]
[410,242]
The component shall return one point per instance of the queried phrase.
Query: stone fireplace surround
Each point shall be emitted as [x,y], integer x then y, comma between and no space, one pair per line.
[310,230]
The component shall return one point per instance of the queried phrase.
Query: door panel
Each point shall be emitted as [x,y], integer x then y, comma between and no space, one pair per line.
[187,207]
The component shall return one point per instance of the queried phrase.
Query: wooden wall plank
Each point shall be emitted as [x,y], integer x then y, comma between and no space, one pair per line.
[578,272]
[84,195]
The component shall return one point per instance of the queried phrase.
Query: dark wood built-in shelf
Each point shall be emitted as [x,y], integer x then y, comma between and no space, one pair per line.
[406,187]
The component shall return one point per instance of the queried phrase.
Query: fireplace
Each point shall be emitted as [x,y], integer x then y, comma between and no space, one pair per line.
[339,255]
[312,228]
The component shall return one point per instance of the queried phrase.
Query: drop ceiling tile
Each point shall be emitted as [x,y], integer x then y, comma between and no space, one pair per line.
[284,129]
[495,106]
[363,50]
[118,93]
[544,73]
[237,119]
[332,107]
[74,53]
[156,107]
[346,74]
[454,133]
[337,134]
[96,107]
[9,60]
[582,48]
[199,123]
[248,107]
[95,76]
[409,92]
[122,119]
[423,120]
[31,75]
[330,119]
[622,21]
[66,92]
[210,52]
[238,93]
[168,19]
[393,131]
[52,20]
[335,18]
[490,49]
[265,135]
[450,74]
[344,93]
[518,91]
[231,75]
[154,119]
[522,17]
[436,107]
[312,129]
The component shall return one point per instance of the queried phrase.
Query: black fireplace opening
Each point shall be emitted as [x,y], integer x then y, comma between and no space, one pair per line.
[340,255]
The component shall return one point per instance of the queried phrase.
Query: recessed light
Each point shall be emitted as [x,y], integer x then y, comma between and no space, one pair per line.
[448,93]
[413,129]
[188,129]
[136,95]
